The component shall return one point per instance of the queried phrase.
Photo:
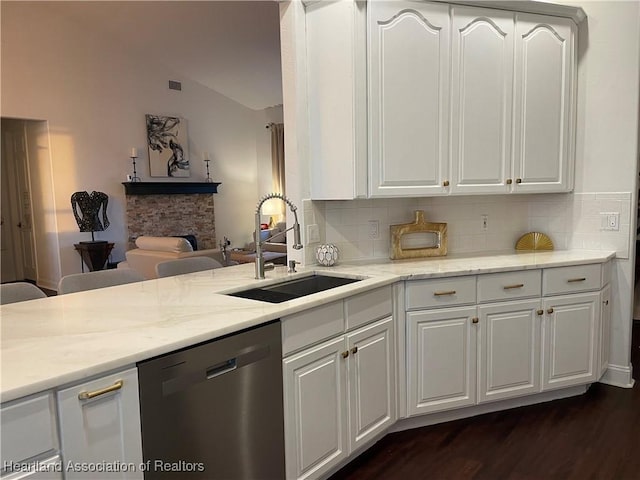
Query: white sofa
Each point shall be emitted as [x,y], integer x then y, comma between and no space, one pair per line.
[153,250]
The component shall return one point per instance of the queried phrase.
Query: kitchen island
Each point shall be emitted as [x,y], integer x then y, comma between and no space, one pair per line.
[51,343]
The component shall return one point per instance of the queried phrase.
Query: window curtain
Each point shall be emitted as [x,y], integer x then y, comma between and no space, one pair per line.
[277,160]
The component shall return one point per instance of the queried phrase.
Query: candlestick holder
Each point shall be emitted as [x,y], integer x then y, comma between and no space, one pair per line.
[135,177]
[208,180]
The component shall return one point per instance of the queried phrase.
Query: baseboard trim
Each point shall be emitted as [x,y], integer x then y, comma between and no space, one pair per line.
[618,376]
[434,418]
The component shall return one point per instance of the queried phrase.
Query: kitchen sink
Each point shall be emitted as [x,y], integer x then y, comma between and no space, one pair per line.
[292,289]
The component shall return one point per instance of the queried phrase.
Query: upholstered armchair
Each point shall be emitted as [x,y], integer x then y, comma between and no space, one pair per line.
[153,250]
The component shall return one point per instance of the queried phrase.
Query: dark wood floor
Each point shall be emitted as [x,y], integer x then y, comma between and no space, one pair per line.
[593,436]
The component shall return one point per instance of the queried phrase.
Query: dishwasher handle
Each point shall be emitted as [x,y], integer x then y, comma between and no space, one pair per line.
[222,368]
[187,379]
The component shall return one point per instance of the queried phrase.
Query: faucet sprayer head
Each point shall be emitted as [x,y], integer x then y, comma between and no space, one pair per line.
[297,242]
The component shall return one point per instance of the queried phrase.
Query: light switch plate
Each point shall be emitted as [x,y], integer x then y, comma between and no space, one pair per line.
[313,233]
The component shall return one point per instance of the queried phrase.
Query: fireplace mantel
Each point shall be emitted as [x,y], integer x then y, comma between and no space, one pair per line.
[167,188]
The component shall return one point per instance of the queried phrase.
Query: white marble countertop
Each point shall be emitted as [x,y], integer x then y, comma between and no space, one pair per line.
[55,341]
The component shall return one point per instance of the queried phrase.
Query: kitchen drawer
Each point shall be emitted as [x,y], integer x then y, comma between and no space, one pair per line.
[509,285]
[28,428]
[441,292]
[571,279]
[367,307]
[312,326]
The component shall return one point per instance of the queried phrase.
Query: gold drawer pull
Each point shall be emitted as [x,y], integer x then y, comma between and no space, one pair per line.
[475,320]
[354,350]
[539,312]
[606,302]
[550,311]
[518,180]
[345,354]
[511,287]
[445,183]
[448,292]
[574,280]
[102,391]
[509,181]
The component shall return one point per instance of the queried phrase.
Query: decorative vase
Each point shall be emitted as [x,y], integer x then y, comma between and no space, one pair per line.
[327,255]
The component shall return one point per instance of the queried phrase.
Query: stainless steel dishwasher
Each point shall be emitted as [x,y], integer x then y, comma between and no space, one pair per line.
[214,410]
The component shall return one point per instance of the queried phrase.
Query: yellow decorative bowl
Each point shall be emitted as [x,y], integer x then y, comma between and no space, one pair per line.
[534,241]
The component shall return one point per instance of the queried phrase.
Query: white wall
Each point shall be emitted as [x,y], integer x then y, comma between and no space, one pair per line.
[94,95]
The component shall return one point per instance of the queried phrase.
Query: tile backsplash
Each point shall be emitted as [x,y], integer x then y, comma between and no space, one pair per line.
[571,220]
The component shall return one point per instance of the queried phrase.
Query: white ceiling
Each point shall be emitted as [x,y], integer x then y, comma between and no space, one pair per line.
[232,47]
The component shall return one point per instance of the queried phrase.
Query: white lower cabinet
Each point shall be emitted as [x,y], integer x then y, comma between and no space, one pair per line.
[315,396]
[372,385]
[337,396]
[29,439]
[570,345]
[509,349]
[526,332]
[100,427]
[441,351]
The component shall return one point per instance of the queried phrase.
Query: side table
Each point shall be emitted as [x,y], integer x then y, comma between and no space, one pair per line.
[94,254]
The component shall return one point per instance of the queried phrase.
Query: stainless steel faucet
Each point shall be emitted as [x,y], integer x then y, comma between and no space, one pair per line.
[297,244]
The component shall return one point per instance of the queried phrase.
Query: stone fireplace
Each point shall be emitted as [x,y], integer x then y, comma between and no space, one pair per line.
[162,214]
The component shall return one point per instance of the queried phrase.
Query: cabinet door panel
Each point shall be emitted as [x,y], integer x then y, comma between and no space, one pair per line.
[102,429]
[482,83]
[571,333]
[543,103]
[442,359]
[605,330]
[509,356]
[315,398]
[371,381]
[409,90]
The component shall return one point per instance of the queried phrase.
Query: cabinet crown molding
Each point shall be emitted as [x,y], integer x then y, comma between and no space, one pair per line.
[577,14]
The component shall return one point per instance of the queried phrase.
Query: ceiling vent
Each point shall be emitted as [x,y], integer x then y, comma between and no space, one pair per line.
[173,85]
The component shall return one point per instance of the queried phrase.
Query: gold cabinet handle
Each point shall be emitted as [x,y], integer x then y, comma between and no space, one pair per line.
[475,320]
[540,312]
[550,311]
[354,350]
[575,280]
[445,183]
[509,181]
[518,180]
[511,287]
[345,354]
[606,302]
[96,393]
[448,292]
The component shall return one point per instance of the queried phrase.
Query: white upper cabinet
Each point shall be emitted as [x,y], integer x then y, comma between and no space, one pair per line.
[544,104]
[482,82]
[411,98]
[408,98]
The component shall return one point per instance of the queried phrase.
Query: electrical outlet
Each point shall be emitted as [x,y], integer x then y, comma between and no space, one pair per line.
[484,225]
[313,234]
[374,229]
[610,221]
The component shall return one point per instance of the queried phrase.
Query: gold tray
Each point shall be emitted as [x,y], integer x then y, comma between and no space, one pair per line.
[534,241]
[419,225]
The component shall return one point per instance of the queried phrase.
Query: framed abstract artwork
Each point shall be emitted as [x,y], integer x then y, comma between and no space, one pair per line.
[168,146]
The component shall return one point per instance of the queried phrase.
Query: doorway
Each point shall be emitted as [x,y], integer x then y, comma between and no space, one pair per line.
[17,235]
[28,232]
